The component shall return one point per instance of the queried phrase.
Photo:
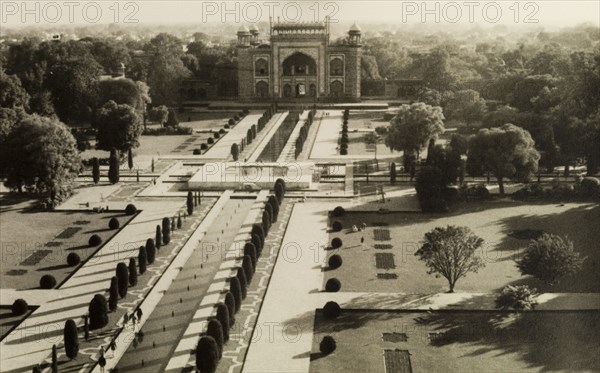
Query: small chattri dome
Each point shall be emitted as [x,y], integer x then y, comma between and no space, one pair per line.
[254,28]
[355,28]
[243,29]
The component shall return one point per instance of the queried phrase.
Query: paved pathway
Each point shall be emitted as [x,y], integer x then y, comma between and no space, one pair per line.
[288,153]
[222,149]
[328,136]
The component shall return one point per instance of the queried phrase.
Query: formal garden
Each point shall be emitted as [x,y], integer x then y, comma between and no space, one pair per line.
[386,261]
[60,242]
[454,341]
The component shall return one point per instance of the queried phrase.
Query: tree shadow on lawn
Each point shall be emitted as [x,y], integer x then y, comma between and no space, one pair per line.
[579,224]
[547,340]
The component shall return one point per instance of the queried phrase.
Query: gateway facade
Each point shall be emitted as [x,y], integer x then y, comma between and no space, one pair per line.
[298,63]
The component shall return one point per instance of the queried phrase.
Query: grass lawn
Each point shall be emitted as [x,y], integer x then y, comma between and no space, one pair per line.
[496,222]
[35,243]
[8,321]
[154,145]
[460,342]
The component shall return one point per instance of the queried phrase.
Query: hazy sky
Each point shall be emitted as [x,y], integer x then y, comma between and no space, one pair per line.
[547,13]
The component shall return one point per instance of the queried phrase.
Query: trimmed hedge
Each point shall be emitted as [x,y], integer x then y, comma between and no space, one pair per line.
[19,307]
[337,226]
[339,211]
[98,310]
[95,240]
[215,329]
[113,223]
[335,261]
[130,209]
[47,282]
[73,259]
[332,310]
[203,146]
[210,140]
[327,345]
[333,285]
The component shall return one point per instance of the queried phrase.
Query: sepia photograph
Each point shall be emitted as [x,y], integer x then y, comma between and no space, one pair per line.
[309,186]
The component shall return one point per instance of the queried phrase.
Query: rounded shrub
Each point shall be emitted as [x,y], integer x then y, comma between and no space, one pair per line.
[47,282]
[231,122]
[197,151]
[203,146]
[73,259]
[333,285]
[130,209]
[236,118]
[19,307]
[332,310]
[336,242]
[339,211]
[221,131]
[95,240]
[216,135]
[113,223]
[210,140]
[337,226]
[327,345]
[226,126]
[335,261]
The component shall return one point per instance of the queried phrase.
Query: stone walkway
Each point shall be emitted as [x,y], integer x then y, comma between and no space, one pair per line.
[222,149]
[278,120]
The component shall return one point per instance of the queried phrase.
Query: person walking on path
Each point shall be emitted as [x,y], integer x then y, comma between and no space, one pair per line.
[113,347]
[362,242]
[139,314]
[102,360]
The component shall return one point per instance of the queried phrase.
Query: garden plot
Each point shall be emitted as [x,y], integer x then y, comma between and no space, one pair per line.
[505,227]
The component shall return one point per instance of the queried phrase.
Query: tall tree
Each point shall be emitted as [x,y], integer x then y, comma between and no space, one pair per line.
[41,156]
[413,127]
[507,152]
[113,167]
[451,252]
[119,127]
[71,339]
[75,77]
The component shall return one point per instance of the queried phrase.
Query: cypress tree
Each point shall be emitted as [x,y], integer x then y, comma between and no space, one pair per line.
[243,283]
[71,339]
[130,159]
[113,293]
[166,230]
[215,329]
[158,238]
[223,317]
[179,223]
[207,355]
[190,203]
[236,289]
[142,259]
[250,250]
[248,268]
[132,272]
[98,310]
[150,250]
[113,167]
[95,170]
[54,363]
[393,173]
[230,303]
[123,276]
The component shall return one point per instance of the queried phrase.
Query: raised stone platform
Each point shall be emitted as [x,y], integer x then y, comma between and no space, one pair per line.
[251,176]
